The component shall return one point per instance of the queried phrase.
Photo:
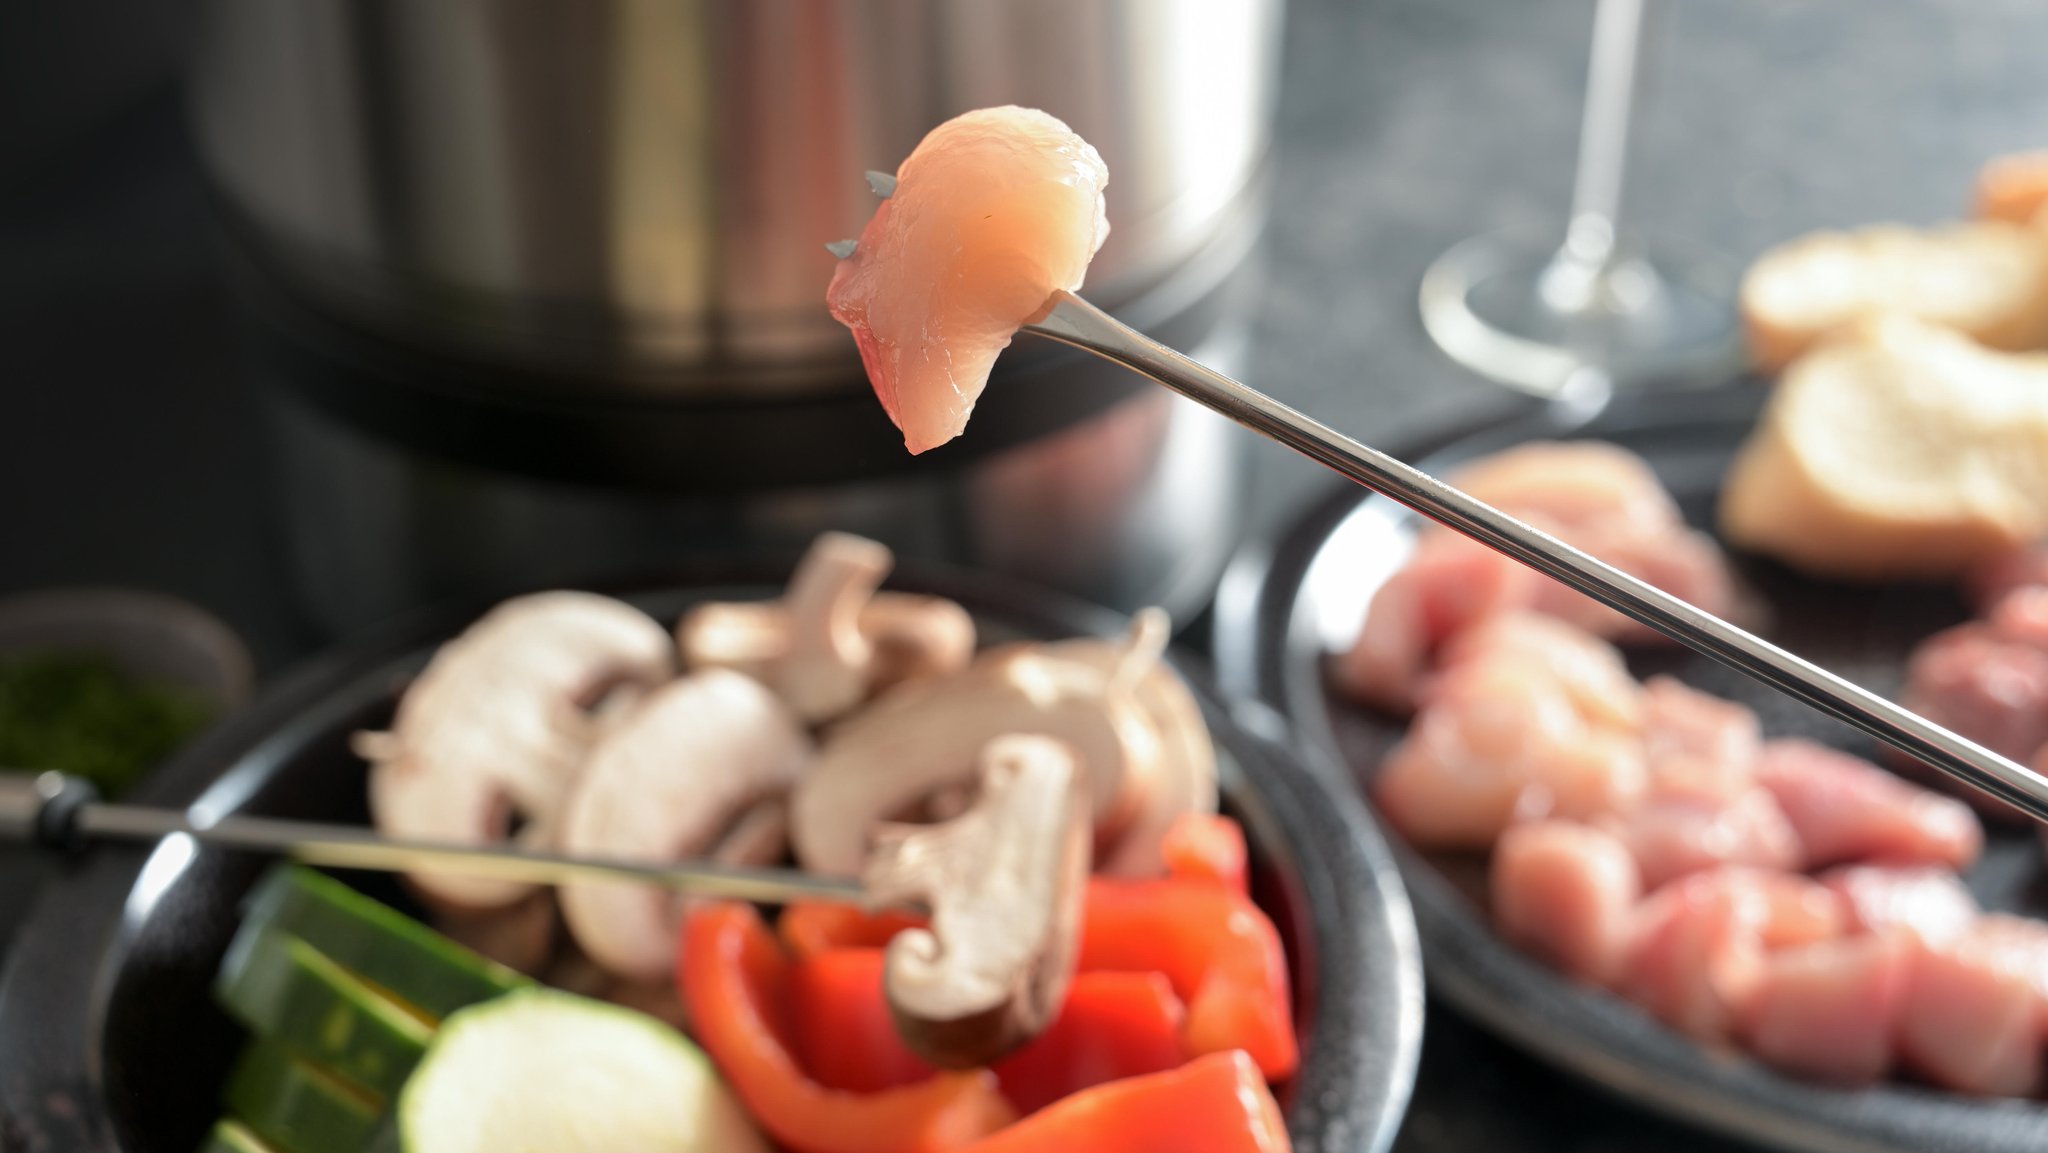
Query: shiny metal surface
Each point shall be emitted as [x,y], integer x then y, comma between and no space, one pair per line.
[1072,320]
[1135,505]
[641,188]
[356,847]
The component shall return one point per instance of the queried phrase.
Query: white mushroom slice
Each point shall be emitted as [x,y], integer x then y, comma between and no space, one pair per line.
[1004,883]
[498,722]
[665,785]
[1186,780]
[924,736]
[832,640]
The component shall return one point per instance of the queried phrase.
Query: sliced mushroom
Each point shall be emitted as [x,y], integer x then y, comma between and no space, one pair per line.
[1004,882]
[832,640]
[666,784]
[1186,779]
[498,723]
[890,758]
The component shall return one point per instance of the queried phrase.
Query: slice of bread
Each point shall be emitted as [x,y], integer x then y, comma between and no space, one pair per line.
[1896,450]
[1988,278]
[2013,188]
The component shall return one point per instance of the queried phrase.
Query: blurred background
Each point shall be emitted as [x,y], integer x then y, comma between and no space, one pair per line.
[307,389]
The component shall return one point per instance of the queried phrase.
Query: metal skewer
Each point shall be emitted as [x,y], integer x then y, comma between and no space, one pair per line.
[57,810]
[1072,320]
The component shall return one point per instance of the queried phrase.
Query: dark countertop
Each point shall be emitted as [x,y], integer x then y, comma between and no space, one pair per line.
[131,454]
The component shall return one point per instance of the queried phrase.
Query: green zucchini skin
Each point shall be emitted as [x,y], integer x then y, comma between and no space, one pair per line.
[384,947]
[289,994]
[295,1107]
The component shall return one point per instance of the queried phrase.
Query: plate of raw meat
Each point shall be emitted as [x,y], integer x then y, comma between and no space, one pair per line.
[1636,862]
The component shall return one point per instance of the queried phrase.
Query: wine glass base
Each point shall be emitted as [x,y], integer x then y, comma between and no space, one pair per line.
[1523,315]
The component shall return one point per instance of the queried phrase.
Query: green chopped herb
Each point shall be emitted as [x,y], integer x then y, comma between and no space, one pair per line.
[85,715]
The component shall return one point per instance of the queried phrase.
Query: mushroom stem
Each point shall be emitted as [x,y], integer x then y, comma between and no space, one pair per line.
[1004,882]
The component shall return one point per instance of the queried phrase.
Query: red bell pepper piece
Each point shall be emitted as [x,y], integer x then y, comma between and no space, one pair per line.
[1206,847]
[1216,1104]
[1111,1026]
[809,927]
[1219,950]
[844,1032]
[735,979]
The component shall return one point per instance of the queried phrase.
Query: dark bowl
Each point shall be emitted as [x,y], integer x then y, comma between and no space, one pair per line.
[109,1038]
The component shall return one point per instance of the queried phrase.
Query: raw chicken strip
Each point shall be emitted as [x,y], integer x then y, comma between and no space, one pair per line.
[1970,1021]
[993,212]
[1828,1010]
[1566,892]
[1699,746]
[1847,809]
[1925,903]
[1674,832]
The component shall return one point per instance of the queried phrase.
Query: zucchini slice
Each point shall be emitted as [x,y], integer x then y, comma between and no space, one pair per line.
[384,947]
[290,994]
[297,1107]
[541,1071]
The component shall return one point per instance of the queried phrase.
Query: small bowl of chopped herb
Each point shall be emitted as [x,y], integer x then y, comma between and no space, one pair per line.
[106,683]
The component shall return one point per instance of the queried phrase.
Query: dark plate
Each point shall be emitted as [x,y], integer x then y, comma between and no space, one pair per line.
[1294,597]
[108,1039]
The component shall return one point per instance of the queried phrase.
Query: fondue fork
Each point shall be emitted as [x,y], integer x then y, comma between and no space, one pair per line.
[59,811]
[1071,320]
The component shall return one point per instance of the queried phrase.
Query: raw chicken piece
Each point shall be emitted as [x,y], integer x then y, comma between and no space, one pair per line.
[1566,892]
[1828,1010]
[1450,584]
[1970,1020]
[1686,564]
[1574,484]
[2021,944]
[1984,683]
[1499,738]
[1590,670]
[1989,583]
[1925,903]
[1847,809]
[1695,950]
[1675,832]
[1698,745]
[1455,780]
[993,212]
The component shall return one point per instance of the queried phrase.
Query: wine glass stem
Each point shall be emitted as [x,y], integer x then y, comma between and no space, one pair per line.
[1611,84]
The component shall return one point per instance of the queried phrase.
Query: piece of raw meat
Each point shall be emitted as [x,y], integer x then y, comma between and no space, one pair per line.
[1566,892]
[1925,902]
[1984,682]
[1829,1009]
[993,212]
[1675,832]
[2021,944]
[1847,809]
[1698,746]
[1696,948]
[1448,585]
[1970,1020]
[1591,671]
